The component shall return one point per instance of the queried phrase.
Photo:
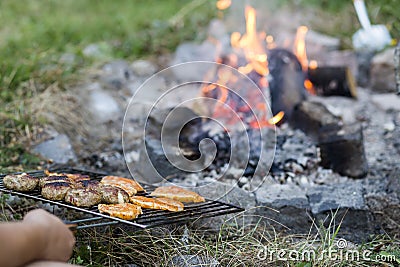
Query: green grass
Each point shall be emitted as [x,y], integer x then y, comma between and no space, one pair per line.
[380,12]
[35,34]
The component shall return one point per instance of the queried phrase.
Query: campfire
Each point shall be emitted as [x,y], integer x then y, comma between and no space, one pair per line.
[255,87]
[253,115]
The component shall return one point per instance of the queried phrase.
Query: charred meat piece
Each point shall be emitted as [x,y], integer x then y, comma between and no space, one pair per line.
[20,182]
[157,203]
[177,193]
[52,179]
[126,211]
[114,195]
[76,177]
[83,197]
[55,190]
[90,184]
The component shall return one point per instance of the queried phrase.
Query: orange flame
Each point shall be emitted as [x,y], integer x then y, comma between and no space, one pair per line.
[301,53]
[251,45]
[300,46]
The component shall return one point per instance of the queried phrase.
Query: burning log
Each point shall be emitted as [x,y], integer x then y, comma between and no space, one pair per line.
[311,117]
[330,81]
[343,150]
[286,83]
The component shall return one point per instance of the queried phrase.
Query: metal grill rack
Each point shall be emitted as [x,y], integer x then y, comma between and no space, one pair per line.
[149,218]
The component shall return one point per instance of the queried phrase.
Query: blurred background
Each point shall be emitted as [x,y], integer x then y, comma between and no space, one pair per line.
[51,44]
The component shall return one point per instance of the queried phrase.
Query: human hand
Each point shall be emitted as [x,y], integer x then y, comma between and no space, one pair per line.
[55,240]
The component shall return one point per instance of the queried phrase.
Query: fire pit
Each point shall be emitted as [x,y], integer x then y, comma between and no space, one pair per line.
[265,119]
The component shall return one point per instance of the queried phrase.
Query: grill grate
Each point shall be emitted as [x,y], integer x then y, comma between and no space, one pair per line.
[149,218]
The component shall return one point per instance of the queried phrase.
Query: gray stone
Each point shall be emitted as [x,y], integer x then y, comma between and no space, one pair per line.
[364,65]
[311,117]
[226,193]
[345,195]
[154,164]
[193,261]
[343,204]
[68,59]
[117,73]
[98,51]
[315,40]
[177,117]
[58,149]
[143,68]
[382,197]
[103,106]
[383,72]
[386,101]
[189,52]
[285,207]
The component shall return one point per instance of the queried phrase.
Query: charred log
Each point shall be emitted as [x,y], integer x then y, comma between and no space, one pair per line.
[333,81]
[286,81]
[343,150]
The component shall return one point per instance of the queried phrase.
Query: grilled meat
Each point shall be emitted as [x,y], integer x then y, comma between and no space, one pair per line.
[129,185]
[114,195]
[52,179]
[55,190]
[125,211]
[20,182]
[157,203]
[83,197]
[75,177]
[90,184]
[177,193]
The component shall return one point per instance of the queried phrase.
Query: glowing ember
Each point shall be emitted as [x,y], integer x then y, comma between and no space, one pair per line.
[313,65]
[277,118]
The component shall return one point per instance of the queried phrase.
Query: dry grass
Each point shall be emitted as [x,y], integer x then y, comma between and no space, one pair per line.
[254,245]
[233,245]
[61,109]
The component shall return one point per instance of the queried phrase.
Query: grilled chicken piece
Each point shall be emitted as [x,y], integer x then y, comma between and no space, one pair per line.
[114,195]
[55,190]
[157,203]
[20,182]
[177,193]
[125,211]
[52,179]
[83,197]
[129,185]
